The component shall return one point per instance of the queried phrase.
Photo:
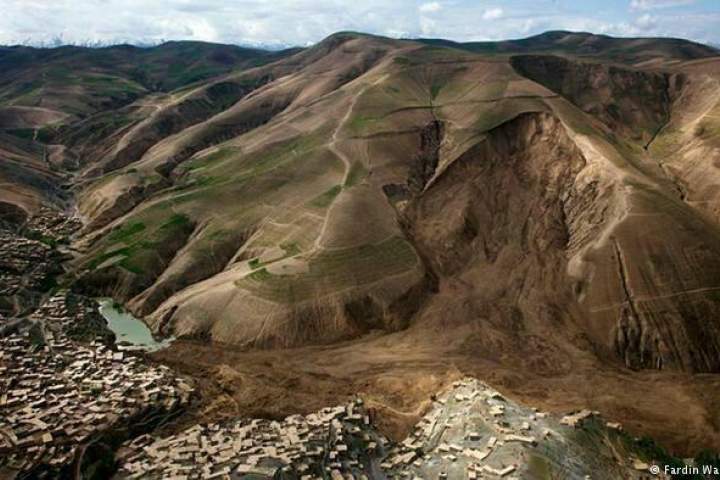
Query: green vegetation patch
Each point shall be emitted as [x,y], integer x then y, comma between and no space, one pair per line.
[102,257]
[649,451]
[709,130]
[126,232]
[176,220]
[669,141]
[47,240]
[236,169]
[493,90]
[593,434]
[435,89]
[291,248]
[219,155]
[109,84]
[37,339]
[219,234]
[356,174]
[142,246]
[46,133]
[16,92]
[334,270]
[236,183]
[360,123]
[23,133]
[326,198]
[540,467]
[202,181]
[180,76]
[260,275]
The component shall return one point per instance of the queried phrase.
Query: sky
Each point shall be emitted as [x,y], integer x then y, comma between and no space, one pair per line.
[279,23]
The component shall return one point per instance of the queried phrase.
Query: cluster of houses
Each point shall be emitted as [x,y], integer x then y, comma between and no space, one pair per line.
[470,432]
[51,224]
[24,263]
[56,393]
[76,316]
[473,432]
[28,257]
[333,443]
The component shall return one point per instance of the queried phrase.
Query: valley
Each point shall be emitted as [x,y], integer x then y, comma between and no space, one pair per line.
[376,219]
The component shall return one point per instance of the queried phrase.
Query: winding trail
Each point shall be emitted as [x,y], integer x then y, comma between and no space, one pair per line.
[332,146]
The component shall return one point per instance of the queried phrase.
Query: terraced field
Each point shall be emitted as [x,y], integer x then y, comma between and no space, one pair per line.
[334,271]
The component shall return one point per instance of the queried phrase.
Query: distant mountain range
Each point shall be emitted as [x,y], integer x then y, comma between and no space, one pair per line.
[59,41]
[140,43]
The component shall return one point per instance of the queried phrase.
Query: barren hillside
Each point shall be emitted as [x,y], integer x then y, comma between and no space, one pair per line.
[375,215]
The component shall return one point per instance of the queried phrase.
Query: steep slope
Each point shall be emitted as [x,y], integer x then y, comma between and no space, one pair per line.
[236,245]
[687,145]
[66,108]
[26,177]
[461,208]
[521,229]
[632,103]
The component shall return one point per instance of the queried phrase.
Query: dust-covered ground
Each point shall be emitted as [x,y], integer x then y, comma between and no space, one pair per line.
[398,374]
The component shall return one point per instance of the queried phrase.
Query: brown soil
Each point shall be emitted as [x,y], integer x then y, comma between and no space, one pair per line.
[397,374]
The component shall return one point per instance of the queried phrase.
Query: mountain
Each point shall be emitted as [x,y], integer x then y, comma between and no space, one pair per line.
[583,44]
[80,81]
[43,90]
[59,41]
[375,215]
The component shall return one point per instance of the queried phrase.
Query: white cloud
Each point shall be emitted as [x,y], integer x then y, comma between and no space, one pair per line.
[655,4]
[428,27]
[492,13]
[302,22]
[527,26]
[430,7]
[646,22]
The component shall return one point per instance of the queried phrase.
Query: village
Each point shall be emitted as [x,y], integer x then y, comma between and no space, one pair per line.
[471,432]
[24,263]
[332,443]
[56,393]
[63,381]
[29,259]
[50,224]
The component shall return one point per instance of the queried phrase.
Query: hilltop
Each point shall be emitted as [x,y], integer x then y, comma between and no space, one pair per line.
[589,45]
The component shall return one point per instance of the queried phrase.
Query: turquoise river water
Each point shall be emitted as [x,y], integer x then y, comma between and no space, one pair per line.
[128,328]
